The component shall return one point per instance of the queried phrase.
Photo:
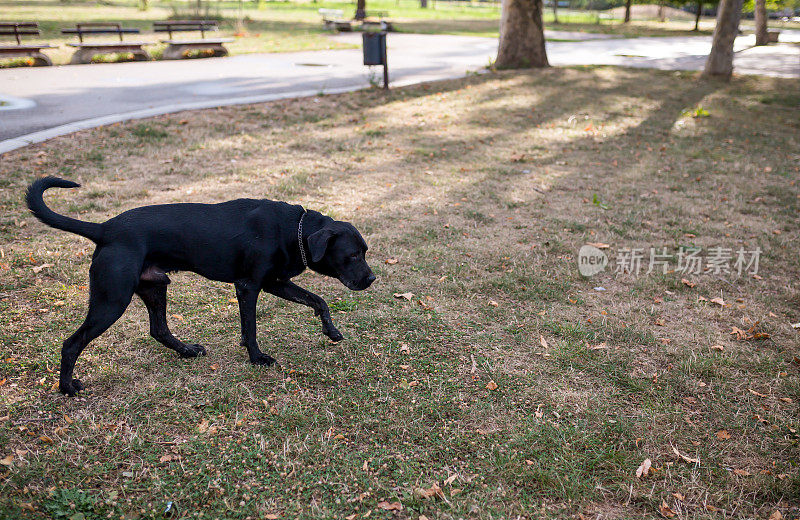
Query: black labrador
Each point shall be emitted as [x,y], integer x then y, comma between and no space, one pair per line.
[254,244]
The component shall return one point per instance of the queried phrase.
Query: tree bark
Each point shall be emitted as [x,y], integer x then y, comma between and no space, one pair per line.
[698,15]
[555,11]
[662,12]
[361,9]
[761,22]
[627,11]
[423,4]
[521,35]
[720,61]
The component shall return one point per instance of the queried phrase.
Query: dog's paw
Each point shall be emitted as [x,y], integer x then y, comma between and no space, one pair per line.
[334,335]
[193,350]
[263,359]
[71,388]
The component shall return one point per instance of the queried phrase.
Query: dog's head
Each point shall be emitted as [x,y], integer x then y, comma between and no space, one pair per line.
[338,250]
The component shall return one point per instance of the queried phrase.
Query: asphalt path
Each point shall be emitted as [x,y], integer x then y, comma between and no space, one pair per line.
[40,103]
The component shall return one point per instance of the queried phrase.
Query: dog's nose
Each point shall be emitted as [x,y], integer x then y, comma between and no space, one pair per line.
[370,279]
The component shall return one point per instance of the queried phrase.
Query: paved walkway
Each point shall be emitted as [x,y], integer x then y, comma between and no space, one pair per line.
[40,103]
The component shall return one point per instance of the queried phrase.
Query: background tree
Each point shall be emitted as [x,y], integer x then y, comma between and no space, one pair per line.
[698,14]
[521,35]
[720,61]
[761,22]
[627,11]
[361,9]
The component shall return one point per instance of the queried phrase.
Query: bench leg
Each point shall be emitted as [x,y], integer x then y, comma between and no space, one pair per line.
[141,55]
[82,57]
[172,52]
[40,60]
[219,51]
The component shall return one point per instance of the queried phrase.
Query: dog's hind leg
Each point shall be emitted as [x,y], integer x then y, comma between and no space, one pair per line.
[247,294]
[110,290]
[295,293]
[154,296]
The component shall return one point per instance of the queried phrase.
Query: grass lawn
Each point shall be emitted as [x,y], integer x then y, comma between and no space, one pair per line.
[508,381]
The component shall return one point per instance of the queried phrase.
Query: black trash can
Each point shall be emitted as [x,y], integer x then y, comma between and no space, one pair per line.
[375,52]
[374,48]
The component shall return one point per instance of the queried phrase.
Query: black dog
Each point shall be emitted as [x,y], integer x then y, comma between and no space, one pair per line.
[254,244]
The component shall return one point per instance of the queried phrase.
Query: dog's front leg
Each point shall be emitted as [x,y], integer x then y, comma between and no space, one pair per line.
[295,293]
[247,295]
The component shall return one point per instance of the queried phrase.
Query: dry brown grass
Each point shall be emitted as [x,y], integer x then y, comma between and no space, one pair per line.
[483,189]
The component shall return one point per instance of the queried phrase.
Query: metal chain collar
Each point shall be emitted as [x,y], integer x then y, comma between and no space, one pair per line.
[300,238]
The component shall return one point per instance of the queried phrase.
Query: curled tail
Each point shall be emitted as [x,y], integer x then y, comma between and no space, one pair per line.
[90,230]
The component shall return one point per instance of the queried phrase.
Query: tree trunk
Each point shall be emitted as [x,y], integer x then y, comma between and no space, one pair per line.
[521,35]
[720,61]
[697,16]
[423,4]
[361,9]
[555,11]
[761,22]
[627,11]
[662,12]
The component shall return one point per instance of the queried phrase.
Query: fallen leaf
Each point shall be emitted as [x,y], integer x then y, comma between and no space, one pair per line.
[598,245]
[405,295]
[679,496]
[665,510]
[392,261]
[450,479]
[660,322]
[644,468]
[214,366]
[756,393]
[719,301]
[543,342]
[491,385]
[45,438]
[776,515]
[404,348]
[688,283]
[166,458]
[739,333]
[742,472]
[787,399]
[685,457]
[599,346]
[39,268]
[7,460]
[431,492]
[203,426]
[723,435]
[394,506]
[719,348]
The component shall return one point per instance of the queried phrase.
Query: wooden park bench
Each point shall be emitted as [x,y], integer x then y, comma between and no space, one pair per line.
[177,49]
[29,50]
[334,20]
[87,50]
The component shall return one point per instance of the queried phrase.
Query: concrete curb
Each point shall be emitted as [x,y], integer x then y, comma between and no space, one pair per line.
[43,135]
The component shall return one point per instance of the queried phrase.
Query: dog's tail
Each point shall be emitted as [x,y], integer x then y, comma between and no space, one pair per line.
[90,230]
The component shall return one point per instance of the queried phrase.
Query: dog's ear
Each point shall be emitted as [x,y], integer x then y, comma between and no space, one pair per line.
[318,243]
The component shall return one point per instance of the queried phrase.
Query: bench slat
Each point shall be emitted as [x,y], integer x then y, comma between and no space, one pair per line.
[198,42]
[102,45]
[100,31]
